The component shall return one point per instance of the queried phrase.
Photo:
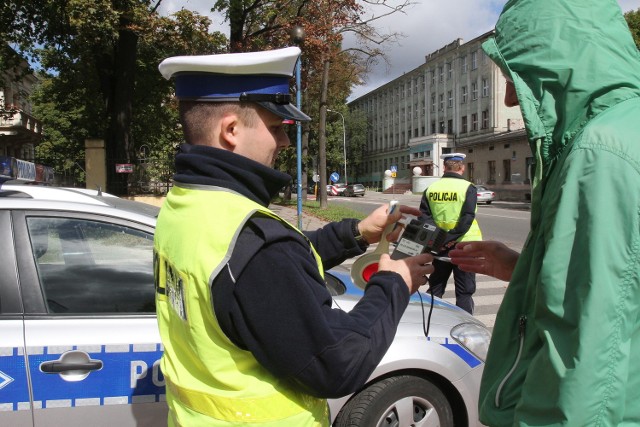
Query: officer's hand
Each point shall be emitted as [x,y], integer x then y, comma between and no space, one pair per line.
[412,269]
[371,227]
[491,258]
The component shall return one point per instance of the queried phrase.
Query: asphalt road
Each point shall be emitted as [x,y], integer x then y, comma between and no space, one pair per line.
[503,221]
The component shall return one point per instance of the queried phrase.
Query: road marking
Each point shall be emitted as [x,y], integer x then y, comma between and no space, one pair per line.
[501,216]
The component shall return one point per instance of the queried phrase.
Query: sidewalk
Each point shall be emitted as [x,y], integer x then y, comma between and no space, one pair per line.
[309,223]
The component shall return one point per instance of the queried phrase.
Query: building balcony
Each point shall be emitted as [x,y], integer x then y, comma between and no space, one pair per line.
[18,127]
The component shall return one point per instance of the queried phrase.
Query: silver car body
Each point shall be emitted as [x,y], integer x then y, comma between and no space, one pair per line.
[104,367]
[485,195]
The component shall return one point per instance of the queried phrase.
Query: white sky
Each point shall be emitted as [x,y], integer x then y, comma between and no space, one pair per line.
[427,26]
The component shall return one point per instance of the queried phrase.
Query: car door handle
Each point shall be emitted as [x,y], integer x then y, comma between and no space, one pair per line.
[56,366]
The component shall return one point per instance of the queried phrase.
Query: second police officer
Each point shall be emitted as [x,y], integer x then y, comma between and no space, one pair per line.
[450,203]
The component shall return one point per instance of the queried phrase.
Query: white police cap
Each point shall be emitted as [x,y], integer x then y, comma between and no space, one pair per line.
[260,77]
[453,156]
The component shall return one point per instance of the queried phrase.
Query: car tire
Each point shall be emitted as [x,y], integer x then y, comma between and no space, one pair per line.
[399,402]
[488,202]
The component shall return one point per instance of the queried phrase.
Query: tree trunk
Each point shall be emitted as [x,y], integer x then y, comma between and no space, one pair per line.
[236,25]
[322,140]
[118,141]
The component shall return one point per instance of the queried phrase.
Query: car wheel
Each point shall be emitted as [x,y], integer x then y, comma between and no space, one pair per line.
[488,202]
[397,402]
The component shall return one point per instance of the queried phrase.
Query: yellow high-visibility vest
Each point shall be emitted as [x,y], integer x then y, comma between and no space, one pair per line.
[210,381]
[446,198]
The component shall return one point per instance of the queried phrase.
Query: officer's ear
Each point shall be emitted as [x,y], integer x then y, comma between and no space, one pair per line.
[229,131]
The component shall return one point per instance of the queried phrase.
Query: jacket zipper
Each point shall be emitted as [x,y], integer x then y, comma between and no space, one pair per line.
[522,323]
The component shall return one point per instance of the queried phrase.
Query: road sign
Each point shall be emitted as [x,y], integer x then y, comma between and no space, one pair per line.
[124,168]
[334,177]
[394,168]
[316,178]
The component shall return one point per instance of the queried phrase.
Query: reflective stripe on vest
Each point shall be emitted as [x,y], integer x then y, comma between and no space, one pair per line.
[250,410]
[446,198]
[210,381]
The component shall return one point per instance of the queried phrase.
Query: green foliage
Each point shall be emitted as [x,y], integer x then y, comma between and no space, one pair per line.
[330,213]
[633,20]
[99,62]
[100,74]
[357,142]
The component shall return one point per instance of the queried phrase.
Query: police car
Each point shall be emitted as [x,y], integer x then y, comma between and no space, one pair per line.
[80,344]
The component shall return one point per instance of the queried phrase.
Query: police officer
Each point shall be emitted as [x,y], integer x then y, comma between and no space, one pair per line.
[246,321]
[451,203]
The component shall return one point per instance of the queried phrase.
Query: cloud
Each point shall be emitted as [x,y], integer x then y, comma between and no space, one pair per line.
[427,26]
[430,25]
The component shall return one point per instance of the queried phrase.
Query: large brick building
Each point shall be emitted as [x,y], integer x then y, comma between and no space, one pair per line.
[453,102]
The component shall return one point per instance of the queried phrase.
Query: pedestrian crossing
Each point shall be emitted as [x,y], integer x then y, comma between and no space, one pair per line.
[487,299]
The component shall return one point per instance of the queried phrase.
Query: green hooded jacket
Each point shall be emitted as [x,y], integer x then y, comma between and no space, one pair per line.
[566,343]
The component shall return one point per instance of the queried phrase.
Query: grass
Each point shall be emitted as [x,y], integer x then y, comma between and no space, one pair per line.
[330,213]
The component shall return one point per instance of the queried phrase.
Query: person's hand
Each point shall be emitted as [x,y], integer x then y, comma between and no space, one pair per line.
[371,227]
[492,258]
[412,269]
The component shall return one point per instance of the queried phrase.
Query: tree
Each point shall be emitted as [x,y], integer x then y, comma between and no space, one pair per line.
[633,20]
[101,57]
[262,24]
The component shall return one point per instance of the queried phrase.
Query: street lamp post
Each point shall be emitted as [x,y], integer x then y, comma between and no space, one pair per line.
[297,36]
[344,143]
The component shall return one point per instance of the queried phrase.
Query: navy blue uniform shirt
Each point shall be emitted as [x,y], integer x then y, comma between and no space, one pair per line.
[272,301]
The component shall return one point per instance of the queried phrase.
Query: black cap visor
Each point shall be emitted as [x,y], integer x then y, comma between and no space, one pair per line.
[286,111]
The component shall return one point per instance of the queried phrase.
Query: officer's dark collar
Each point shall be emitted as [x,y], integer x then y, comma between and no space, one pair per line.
[199,164]
[452,175]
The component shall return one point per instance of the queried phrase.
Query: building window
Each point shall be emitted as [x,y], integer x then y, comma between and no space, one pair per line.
[464,125]
[442,129]
[469,168]
[474,91]
[474,121]
[433,78]
[506,165]
[449,71]
[441,99]
[485,87]
[441,73]
[474,60]
[450,99]
[463,95]
[450,126]
[433,127]
[433,103]
[485,119]
[463,64]
[492,172]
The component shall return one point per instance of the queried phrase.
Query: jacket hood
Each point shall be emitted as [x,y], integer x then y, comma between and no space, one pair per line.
[573,61]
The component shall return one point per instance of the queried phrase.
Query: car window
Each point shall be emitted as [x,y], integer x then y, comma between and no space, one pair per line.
[87,266]
[334,285]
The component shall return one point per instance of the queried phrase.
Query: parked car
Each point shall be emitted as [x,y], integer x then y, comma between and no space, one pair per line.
[485,195]
[80,344]
[336,189]
[354,190]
